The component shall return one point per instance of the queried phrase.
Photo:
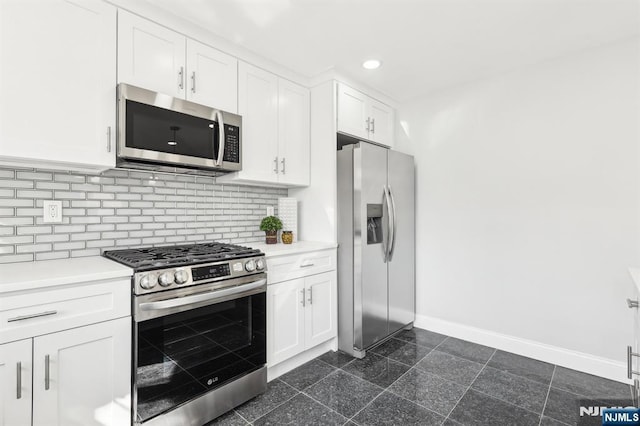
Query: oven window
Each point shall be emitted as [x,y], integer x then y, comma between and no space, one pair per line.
[184,355]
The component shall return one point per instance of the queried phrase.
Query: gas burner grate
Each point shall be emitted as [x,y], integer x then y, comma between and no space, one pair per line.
[186,254]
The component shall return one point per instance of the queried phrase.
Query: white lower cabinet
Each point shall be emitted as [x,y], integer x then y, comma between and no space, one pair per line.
[15,383]
[78,377]
[301,314]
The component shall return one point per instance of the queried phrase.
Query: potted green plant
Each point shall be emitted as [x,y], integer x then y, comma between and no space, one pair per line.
[270,225]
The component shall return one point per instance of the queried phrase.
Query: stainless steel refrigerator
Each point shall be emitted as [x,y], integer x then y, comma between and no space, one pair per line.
[376,252]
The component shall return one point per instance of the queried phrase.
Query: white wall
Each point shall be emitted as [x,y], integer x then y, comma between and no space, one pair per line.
[528,210]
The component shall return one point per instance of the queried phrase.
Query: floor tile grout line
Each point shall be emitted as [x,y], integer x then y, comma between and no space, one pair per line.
[388,389]
[283,402]
[544,407]
[366,405]
[323,404]
[469,387]
[241,416]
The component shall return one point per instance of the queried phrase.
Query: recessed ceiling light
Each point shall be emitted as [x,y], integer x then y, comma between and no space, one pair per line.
[371,64]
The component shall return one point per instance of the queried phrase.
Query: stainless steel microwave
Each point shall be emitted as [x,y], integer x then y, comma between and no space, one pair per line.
[160,132]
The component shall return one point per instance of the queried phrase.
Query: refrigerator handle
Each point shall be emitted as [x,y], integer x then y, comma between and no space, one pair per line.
[390,228]
[392,238]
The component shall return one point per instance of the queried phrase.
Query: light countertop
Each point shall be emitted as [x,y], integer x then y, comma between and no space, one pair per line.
[272,250]
[50,273]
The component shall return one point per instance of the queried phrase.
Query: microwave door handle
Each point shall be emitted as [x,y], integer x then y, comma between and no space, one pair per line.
[221,138]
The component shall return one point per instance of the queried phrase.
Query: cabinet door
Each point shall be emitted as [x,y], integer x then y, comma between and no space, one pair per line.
[353,112]
[382,123]
[293,133]
[57,83]
[285,320]
[320,315]
[212,77]
[258,106]
[82,376]
[15,383]
[150,56]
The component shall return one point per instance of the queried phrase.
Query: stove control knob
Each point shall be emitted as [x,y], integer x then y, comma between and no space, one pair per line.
[260,264]
[165,279]
[148,281]
[181,277]
[250,266]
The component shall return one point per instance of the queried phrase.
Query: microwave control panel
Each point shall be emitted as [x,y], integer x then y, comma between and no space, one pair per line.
[231,144]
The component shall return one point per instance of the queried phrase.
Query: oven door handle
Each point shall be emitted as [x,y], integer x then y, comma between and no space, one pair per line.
[201,297]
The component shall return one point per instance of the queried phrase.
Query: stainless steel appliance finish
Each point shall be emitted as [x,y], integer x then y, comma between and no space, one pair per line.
[215,403]
[376,260]
[199,332]
[211,131]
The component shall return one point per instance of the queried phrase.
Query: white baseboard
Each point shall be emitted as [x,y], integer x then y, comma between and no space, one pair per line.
[580,361]
[275,371]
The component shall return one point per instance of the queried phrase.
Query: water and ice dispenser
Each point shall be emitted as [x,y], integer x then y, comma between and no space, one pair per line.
[374,223]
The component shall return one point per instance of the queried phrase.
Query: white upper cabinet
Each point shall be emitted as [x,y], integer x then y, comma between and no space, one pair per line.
[364,117]
[212,77]
[58,84]
[293,140]
[353,113]
[275,130]
[381,123]
[150,56]
[258,106]
[156,58]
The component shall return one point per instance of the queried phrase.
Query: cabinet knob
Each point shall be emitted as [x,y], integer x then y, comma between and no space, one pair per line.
[632,303]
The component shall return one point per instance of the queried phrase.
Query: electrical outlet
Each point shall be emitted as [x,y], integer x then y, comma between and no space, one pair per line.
[270,211]
[52,211]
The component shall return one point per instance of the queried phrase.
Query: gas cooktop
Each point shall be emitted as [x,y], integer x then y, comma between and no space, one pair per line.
[179,255]
[171,267]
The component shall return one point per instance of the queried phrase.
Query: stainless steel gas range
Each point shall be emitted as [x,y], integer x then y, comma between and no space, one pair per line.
[199,330]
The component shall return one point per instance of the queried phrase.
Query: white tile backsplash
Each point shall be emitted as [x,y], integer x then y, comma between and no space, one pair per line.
[123,208]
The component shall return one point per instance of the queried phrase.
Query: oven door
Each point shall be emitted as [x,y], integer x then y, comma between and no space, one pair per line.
[190,341]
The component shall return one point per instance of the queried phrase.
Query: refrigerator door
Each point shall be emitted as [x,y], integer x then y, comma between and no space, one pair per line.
[370,245]
[401,264]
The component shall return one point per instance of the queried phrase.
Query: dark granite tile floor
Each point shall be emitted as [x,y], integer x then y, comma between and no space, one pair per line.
[423,378]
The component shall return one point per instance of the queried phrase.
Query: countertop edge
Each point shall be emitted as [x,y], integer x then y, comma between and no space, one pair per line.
[52,273]
[280,249]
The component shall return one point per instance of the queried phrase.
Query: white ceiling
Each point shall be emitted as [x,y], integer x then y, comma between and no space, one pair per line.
[424,45]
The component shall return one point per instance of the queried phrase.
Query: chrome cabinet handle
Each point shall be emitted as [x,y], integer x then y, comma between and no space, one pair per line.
[26,317]
[368,124]
[221,137]
[19,380]
[275,167]
[108,138]
[181,78]
[47,381]
[632,303]
[303,298]
[630,355]
[193,82]
[311,295]
[306,265]
[283,164]
[373,125]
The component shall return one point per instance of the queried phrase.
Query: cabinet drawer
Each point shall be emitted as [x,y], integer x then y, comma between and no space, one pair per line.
[33,313]
[284,268]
